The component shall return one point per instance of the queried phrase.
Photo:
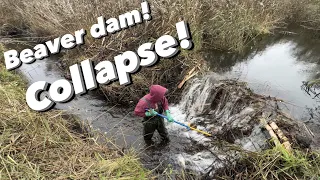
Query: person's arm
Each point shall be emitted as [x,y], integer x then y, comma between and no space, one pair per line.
[165,104]
[139,111]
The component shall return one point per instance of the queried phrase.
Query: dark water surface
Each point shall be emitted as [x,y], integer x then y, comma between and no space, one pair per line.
[277,68]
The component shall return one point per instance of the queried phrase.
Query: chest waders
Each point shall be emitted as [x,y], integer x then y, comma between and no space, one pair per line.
[150,124]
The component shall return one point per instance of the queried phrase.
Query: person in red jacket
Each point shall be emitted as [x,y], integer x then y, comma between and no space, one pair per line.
[156,102]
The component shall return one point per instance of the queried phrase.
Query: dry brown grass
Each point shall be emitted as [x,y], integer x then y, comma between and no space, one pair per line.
[311,15]
[215,24]
[229,23]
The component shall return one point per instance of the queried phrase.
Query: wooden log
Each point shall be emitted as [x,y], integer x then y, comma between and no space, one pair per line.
[274,126]
[287,145]
[272,134]
[280,134]
[273,130]
[187,77]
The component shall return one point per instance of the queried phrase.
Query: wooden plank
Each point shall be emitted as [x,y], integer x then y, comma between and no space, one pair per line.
[280,134]
[187,77]
[273,135]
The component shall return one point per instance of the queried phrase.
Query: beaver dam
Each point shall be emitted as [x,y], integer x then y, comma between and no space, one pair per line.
[237,118]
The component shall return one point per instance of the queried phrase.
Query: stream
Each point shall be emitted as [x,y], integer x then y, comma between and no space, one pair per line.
[277,69]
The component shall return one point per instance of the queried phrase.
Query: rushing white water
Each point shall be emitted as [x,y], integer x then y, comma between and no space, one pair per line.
[198,161]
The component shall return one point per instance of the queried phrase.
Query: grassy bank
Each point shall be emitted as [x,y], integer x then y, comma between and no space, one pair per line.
[50,145]
[215,24]
[275,163]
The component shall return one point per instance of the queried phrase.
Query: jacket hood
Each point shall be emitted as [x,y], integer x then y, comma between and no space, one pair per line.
[157,93]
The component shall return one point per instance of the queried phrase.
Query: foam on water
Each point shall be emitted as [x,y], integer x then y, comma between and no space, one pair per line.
[180,116]
[200,161]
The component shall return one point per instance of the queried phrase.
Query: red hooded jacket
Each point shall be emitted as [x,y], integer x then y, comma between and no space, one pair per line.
[155,95]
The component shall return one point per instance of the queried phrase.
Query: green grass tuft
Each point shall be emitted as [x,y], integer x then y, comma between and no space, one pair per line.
[275,163]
